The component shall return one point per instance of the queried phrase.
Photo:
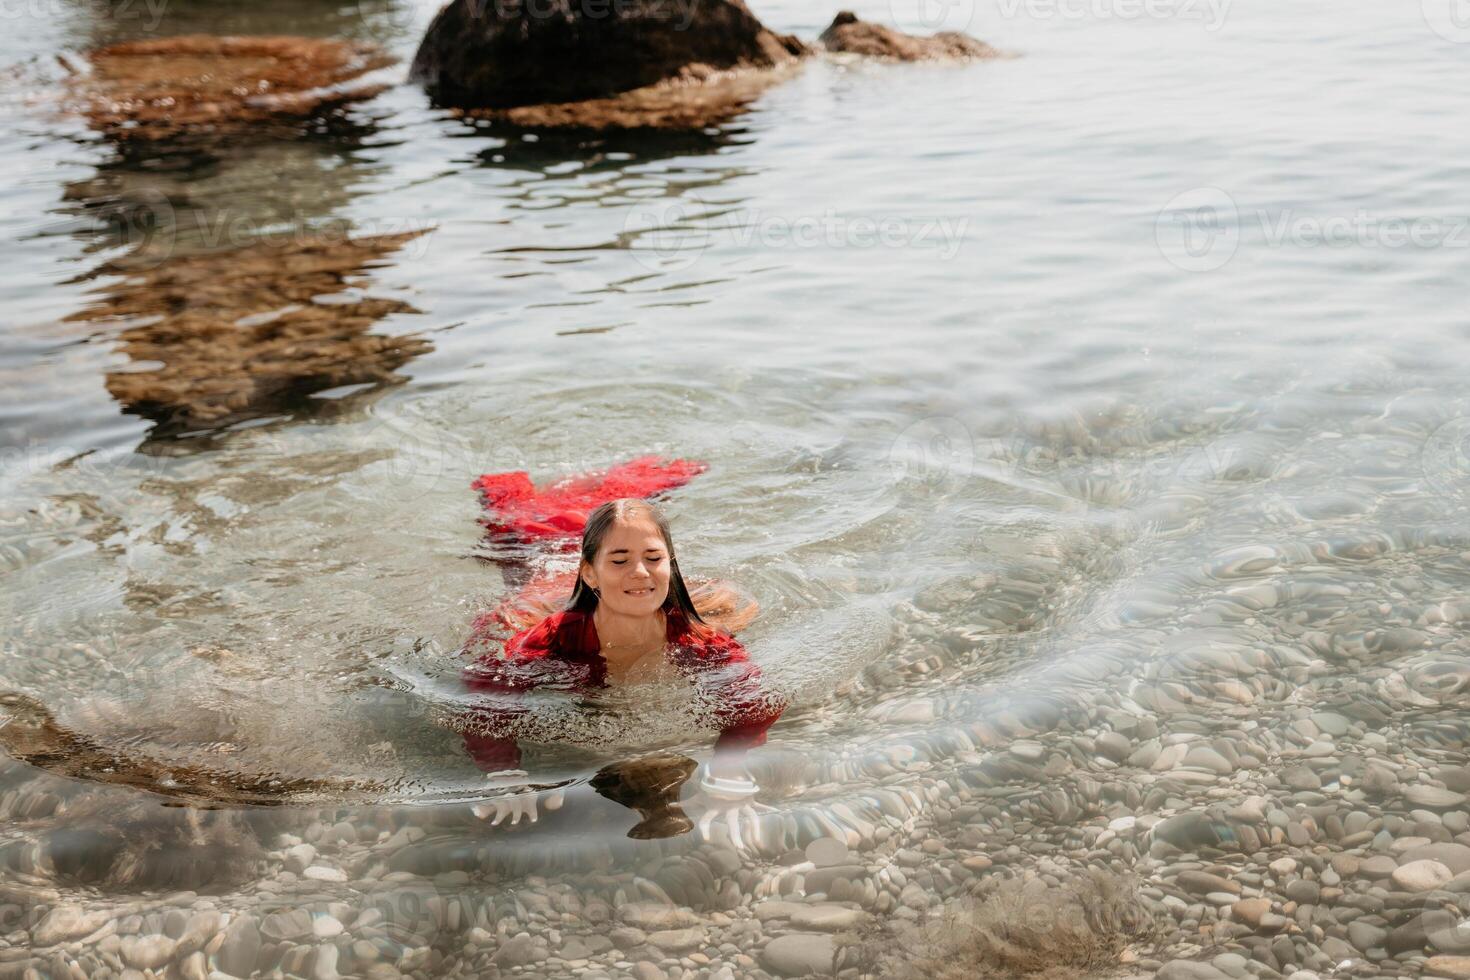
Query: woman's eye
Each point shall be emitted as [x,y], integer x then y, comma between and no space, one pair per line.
[620,561]
[655,560]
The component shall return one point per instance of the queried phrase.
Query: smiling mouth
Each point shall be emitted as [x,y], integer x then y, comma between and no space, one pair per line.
[637,591]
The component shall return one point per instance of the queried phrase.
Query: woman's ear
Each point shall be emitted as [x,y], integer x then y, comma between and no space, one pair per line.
[588,576]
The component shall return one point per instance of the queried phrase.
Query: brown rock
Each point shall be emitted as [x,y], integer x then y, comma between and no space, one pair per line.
[200,83]
[1421,876]
[1202,883]
[699,100]
[853,36]
[1250,911]
[1457,967]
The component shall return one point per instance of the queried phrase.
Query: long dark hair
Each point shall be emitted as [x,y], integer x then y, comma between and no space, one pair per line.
[676,602]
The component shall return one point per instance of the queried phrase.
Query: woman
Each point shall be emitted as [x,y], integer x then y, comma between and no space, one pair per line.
[630,620]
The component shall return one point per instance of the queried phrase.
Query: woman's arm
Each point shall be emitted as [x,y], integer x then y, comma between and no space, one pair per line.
[743,708]
[504,676]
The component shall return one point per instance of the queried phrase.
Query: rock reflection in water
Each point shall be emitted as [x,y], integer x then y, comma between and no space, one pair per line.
[251,331]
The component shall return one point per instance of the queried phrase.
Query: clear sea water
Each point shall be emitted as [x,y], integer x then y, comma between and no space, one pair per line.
[1021,382]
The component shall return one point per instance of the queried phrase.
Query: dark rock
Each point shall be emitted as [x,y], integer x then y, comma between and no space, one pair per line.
[479,54]
[849,34]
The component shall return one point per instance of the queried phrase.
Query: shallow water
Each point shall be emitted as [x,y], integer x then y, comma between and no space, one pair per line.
[1119,380]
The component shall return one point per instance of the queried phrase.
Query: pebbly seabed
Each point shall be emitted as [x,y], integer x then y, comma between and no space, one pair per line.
[1114,549]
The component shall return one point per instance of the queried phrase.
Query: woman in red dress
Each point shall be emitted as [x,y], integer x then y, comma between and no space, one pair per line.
[630,619]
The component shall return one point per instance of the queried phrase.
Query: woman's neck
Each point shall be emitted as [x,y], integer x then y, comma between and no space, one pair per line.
[628,632]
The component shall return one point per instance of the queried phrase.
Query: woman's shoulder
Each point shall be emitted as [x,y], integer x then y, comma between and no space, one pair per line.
[562,632]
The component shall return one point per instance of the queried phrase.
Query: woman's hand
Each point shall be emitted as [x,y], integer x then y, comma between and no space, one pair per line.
[727,794]
[516,805]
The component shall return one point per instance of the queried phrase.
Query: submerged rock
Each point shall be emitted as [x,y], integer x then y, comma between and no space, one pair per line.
[850,35]
[247,332]
[204,84]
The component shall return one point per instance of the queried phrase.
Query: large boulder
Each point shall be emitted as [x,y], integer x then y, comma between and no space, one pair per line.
[498,54]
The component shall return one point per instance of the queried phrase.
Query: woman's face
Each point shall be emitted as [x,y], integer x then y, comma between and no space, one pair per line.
[631,569]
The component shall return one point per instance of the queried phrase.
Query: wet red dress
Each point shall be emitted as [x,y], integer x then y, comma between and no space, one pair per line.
[564,649]
[515,508]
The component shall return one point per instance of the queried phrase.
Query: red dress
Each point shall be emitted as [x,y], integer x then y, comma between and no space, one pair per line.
[516,509]
[564,650]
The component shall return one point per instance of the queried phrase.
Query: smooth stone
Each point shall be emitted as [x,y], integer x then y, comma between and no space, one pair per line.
[66,922]
[300,857]
[320,872]
[1202,883]
[1250,910]
[1303,892]
[1421,876]
[1190,970]
[800,954]
[652,916]
[1456,967]
[1452,855]
[1365,936]
[776,909]
[147,952]
[626,937]
[828,918]
[1433,797]
[1282,866]
[1205,757]
[677,940]
[1377,866]
[516,951]
[241,947]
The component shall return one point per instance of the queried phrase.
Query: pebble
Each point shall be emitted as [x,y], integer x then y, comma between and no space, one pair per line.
[1456,967]
[1421,876]
[651,916]
[799,955]
[677,940]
